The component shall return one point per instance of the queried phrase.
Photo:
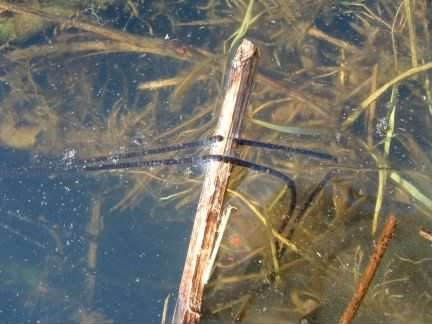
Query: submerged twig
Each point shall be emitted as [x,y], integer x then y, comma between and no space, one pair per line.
[368,275]
[319,34]
[145,44]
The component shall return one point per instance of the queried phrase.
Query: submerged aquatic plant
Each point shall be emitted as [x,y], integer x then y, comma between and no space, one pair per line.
[350,78]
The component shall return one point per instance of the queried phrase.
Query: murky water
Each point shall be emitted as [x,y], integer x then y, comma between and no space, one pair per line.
[85,79]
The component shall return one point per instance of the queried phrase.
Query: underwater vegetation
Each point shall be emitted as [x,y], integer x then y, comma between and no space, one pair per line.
[83,80]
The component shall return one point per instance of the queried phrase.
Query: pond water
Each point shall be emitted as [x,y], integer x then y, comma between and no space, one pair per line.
[83,83]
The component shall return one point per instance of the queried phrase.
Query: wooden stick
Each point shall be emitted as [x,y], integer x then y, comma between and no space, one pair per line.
[220,233]
[207,217]
[366,279]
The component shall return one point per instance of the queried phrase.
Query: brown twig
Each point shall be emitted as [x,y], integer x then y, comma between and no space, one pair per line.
[126,42]
[207,217]
[130,42]
[366,279]
[318,34]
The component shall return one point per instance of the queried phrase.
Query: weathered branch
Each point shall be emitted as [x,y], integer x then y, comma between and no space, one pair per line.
[205,228]
[368,275]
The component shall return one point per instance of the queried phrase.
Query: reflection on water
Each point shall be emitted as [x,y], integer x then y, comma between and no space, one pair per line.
[84,79]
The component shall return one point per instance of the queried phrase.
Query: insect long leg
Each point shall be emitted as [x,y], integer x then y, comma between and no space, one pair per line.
[200,159]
